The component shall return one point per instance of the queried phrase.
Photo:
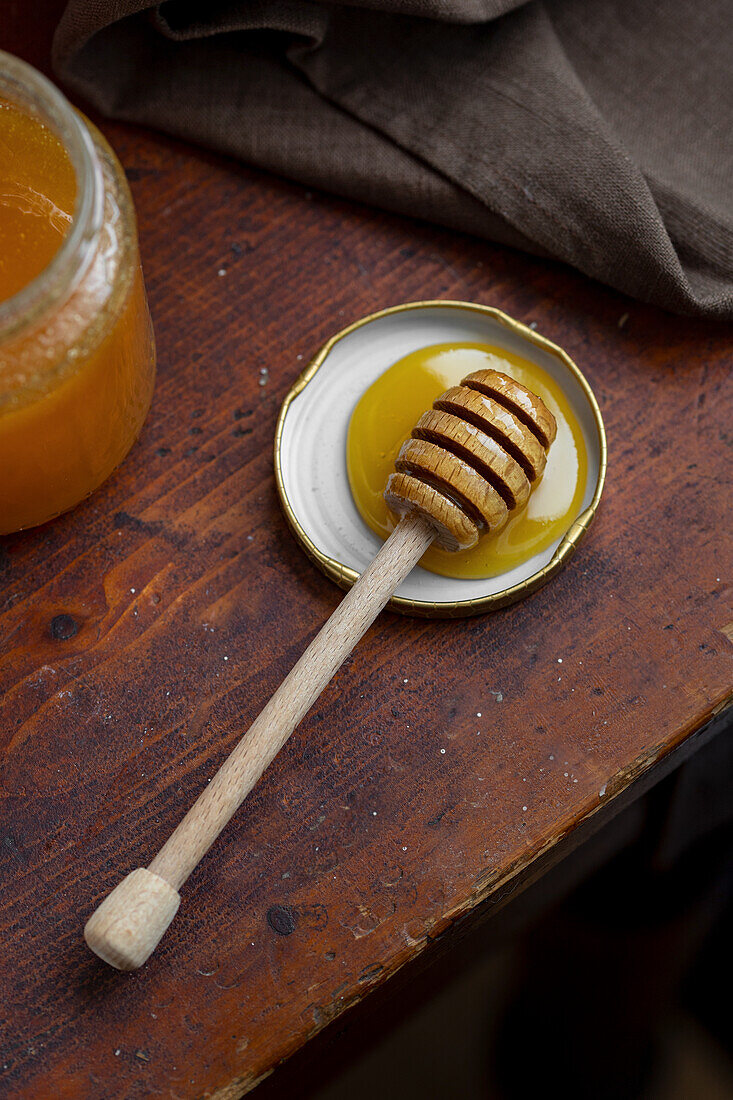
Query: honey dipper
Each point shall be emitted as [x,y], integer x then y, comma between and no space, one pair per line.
[471,460]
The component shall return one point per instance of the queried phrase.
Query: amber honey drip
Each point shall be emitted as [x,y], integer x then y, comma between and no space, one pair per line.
[386,414]
[68,413]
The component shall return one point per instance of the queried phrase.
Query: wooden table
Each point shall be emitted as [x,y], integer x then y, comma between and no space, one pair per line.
[141,634]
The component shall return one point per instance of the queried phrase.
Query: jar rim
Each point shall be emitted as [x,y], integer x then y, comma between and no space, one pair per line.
[24,87]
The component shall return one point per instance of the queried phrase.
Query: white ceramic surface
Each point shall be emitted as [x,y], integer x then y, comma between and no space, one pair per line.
[313,441]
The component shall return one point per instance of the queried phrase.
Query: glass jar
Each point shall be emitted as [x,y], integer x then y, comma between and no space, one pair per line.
[77,355]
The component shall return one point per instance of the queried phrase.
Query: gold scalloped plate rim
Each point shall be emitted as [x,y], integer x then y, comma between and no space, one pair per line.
[344,576]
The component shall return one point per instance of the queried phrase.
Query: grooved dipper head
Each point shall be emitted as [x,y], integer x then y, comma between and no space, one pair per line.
[473,459]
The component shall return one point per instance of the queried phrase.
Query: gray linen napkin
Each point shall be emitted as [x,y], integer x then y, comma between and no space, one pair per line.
[599,132]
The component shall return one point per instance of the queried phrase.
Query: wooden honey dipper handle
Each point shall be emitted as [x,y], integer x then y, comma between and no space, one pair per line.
[469,463]
[126,928]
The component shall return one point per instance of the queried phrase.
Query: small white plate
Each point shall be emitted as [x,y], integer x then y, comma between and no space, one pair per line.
[310,450]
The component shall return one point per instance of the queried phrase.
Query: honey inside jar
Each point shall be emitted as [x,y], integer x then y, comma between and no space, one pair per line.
[77,358]
[37,197]
[386,414]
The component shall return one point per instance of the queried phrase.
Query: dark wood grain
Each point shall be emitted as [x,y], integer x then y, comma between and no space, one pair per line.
[140,635]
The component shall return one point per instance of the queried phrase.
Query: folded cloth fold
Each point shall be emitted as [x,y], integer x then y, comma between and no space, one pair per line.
[599,132]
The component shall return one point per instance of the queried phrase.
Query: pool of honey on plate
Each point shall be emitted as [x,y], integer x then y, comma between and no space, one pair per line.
[388,411]
[76,382]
